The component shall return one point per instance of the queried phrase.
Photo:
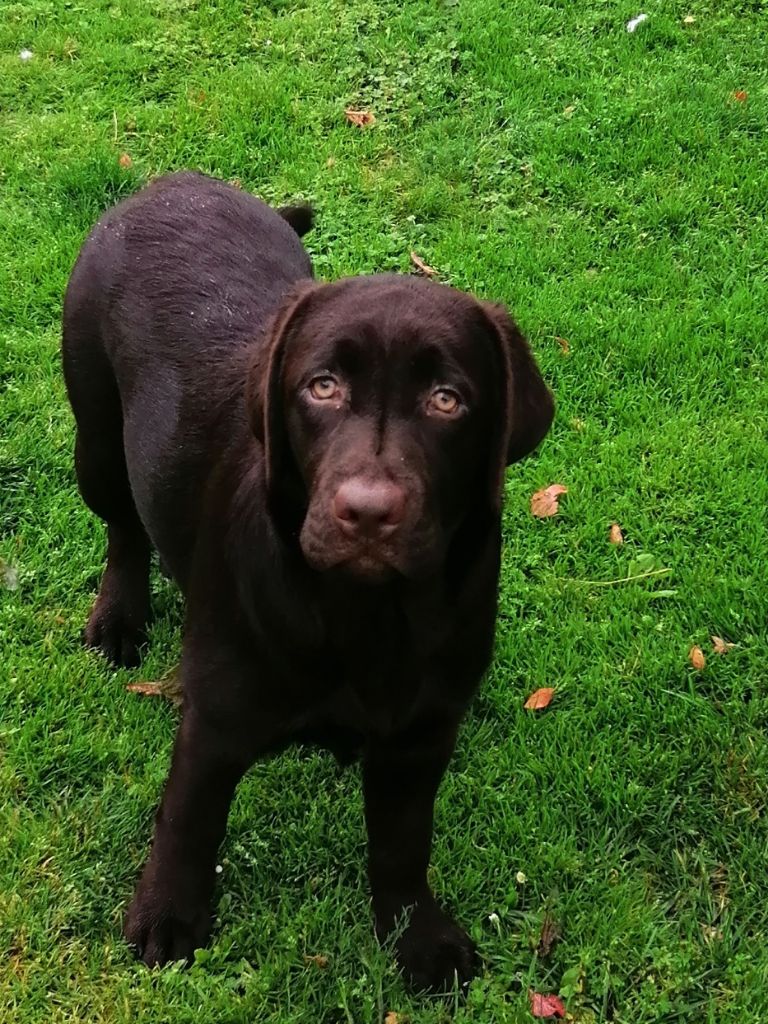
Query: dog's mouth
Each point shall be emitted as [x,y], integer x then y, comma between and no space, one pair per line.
[371,565]
[368,564]
[409,553]
[367,567]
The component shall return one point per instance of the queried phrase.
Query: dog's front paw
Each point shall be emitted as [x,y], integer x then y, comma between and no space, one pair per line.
[160,930]
[434,951]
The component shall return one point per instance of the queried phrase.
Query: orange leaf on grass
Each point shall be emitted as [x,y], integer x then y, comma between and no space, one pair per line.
[540,699]
[145,689]
[564,344]
[169,687]
[546,501]
[317,959]
[696,658]
[616,536]
[720,646]
[360,118]
[125,161]
[421,266]
[546,1006]
[740,95]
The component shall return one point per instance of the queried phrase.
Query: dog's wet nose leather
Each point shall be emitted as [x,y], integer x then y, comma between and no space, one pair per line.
[371,509]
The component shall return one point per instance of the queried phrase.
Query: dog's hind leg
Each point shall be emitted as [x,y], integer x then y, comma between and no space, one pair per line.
[118,620]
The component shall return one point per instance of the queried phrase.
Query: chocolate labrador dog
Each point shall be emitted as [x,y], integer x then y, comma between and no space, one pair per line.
[320,468]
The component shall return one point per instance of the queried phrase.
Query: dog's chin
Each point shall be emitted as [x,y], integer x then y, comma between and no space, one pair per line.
[367,568]
[361,567]
[368,563]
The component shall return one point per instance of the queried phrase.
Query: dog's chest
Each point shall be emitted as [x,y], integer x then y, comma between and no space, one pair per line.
[382,673]
[375,704]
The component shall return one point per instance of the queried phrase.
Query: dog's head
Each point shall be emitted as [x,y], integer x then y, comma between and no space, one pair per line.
[388,410]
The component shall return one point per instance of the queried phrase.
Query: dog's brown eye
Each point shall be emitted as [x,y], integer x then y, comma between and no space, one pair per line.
[445,401]
[324,388]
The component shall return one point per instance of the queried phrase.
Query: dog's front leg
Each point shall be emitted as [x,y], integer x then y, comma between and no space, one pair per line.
[170,915]
[400,779]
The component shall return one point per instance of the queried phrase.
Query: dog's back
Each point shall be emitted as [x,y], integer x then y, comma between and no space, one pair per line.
[167,302]
[186,265]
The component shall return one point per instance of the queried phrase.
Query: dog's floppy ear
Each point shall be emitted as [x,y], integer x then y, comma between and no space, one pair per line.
[528,404]
[264,387]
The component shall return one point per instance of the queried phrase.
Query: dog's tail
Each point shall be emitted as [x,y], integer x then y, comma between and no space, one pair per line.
[301,217]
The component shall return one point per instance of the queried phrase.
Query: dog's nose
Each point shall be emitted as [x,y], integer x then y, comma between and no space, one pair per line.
[369,509]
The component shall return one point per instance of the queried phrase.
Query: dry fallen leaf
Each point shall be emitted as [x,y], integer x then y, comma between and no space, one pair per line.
[696,658]
[318,960]
[421,266]
[146,689]
[360,118]
[546,1006]
[169,687]
[550,934]
[545,502]
[125,161]
[394,1018]
[740,95]
[565,348]
[720,646]
[689,19]
[616,536]
[540,699]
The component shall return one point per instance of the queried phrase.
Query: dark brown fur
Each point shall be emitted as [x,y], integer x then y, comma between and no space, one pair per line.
[320,469]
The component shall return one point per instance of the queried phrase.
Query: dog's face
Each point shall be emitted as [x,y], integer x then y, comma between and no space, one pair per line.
[388,412]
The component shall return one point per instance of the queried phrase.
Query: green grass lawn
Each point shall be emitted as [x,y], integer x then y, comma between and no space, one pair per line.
[611,188]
